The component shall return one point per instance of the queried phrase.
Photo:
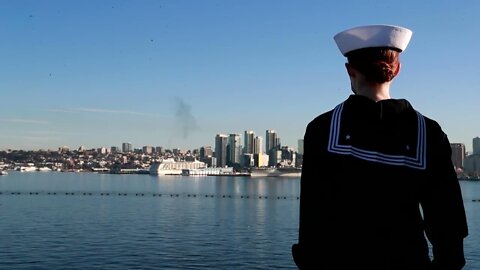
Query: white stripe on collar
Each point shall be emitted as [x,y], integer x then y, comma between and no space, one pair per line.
[416,162]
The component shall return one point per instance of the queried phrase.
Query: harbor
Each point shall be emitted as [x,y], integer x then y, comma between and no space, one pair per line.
[176,222]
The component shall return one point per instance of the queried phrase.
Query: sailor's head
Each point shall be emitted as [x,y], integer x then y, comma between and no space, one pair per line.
[374,50]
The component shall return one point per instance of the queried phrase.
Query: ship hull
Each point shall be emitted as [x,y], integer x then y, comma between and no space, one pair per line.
[275,172]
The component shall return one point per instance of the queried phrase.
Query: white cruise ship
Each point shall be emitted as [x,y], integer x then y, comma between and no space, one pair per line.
[171,167]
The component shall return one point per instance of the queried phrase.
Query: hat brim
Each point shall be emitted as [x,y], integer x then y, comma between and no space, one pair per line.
[370,36]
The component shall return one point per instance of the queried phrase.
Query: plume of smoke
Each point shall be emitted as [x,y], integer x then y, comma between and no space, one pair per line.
[184,119]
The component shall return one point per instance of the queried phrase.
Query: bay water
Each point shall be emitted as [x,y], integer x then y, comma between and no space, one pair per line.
[64,220]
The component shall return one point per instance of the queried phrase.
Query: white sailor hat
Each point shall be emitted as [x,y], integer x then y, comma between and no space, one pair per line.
[368,36]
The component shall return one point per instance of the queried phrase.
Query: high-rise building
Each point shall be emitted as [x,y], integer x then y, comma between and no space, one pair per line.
[205,155]
[258,145]
[206,151]
[471,164]
[272,145]
[127,147]
[458,154]
[270,140]
[476,146]
[275,157]
[221,150]
[234,149]
[248,145]
[288,156]
[248,160]
[300,146]
[147,149]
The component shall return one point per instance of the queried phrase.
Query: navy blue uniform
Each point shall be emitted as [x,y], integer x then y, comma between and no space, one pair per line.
[377,180]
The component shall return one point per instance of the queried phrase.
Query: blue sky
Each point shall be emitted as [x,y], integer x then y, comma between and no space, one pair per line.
[175,73]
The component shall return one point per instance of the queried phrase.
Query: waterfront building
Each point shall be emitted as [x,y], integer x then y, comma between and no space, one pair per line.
[270,140]
[288,156]
[249,138]
[206,151]
[234,149]
[221,149]
[472,165]
[248,160]
[272,147]
[213,162]
[257,145]
[205,154]
[476,145]
[458,154]
[274,157]
[299,161]
[261,160]
[300,146]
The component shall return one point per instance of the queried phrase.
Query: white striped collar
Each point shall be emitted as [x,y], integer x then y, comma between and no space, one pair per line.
[416,161]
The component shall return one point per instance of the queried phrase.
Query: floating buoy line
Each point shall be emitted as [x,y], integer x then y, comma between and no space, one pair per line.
[149,194]
[146,194]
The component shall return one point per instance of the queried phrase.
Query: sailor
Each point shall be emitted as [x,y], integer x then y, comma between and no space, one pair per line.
[386,186]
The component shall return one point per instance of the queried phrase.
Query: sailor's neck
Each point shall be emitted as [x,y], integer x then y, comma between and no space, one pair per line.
[376,93]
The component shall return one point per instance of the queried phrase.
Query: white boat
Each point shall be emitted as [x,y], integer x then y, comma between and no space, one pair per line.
[27,168]
[3,172]
[276,172]
[171,167]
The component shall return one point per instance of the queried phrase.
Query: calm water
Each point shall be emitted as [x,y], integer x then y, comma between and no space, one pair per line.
[60,220]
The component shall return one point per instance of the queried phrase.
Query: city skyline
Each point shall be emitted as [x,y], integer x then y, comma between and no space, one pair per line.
[256,139]
[175,73]
[475,146]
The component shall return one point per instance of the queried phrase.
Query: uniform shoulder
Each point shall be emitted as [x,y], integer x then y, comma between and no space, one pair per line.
[319,126]
[431,123]
[321,120]
[435,132]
